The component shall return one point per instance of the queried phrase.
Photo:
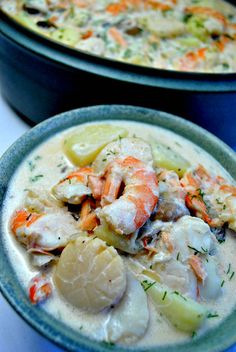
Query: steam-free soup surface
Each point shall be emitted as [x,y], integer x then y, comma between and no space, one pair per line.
[182,35]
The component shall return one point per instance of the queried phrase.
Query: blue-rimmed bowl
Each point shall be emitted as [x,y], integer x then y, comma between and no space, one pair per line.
[217,339]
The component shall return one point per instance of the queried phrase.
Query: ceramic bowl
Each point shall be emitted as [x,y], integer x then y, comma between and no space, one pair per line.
[217,339]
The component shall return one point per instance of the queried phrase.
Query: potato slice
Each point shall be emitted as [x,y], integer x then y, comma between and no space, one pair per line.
[90,275]
[68,36]
[105,233]
[169,159]
[83,146]
[184,313]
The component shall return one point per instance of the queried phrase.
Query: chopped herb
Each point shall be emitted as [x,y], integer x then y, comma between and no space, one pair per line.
[179,294]
[224,207]
[225,65]
[194,249]
[28,217]
[31,165]
[109,343]
[146,285]
[59,165]
[69,181]
[204,250]
[178,256]
[150,267]
[207,260]
[218,201]
[231,276]
[214,315]
[35,178]
[164,296]
[222,283]
[201,193]
[81,327]
[194,334]
[38,157]
[127,54]
[104,160]
[75,216]
[229,269]
[64,169]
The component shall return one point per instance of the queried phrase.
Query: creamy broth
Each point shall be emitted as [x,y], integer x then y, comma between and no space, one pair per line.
[46,166]
[183,35]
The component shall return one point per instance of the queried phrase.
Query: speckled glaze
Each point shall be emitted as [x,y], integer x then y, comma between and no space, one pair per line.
[214,340]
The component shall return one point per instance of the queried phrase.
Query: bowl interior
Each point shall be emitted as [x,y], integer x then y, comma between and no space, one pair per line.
[216,339]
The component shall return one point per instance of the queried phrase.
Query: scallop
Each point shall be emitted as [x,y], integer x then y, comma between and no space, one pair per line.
[90,275]
[129,320]
[135,147]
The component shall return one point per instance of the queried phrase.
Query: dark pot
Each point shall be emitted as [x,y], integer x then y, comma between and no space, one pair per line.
[41,78]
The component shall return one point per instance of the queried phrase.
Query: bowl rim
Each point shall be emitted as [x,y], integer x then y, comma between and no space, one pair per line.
[12,158]
[76,59]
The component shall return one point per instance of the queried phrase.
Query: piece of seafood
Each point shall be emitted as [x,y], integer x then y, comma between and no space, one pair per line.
[171,204]
[40,288]
[210,197]
[124,147]
[42,232]
[128,322]
[74,187]
[90,275]
[138,200]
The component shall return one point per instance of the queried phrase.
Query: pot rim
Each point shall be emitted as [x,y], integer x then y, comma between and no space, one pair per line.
[75,59]
[9,285]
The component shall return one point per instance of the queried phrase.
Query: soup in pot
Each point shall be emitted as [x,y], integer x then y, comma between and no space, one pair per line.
[182,35]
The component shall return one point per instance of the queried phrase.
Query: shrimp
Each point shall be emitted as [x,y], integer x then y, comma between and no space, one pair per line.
[206,11]
[171,204]
[42,232]
[74,188]
[210,197]
[197,267]
[88,218]
[140,195]
[192,59]
[39,289]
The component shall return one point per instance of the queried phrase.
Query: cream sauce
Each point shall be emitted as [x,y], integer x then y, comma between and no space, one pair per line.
[49,161]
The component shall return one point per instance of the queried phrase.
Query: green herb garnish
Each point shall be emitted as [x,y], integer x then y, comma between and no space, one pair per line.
[214,315]
[164,296]
[35,178]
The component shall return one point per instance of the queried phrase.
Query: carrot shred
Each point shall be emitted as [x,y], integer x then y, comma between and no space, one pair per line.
[87,34]
[117,36]
[208,11]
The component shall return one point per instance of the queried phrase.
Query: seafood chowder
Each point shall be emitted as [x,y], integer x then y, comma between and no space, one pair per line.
[182,35]
[125,232]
